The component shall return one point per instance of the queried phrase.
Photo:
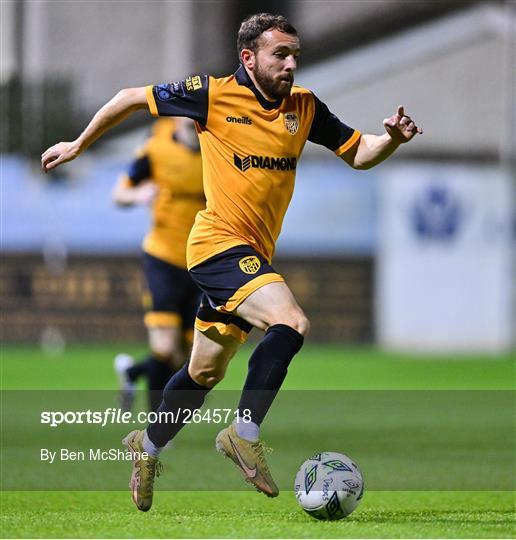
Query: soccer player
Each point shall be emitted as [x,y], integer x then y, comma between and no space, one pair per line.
[166,173]
[252,127]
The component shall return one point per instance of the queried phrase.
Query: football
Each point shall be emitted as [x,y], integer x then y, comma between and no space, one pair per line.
[329,486]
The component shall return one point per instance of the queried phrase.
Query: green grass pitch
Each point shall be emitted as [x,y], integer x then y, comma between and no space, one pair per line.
[246,514]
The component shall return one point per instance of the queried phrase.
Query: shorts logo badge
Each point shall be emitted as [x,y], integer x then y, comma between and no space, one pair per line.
[291,122]
[249,265]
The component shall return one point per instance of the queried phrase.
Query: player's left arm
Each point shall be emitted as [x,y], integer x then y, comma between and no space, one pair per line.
[126,102]
[373,149]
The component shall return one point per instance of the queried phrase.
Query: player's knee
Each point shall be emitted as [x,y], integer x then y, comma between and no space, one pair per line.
[166,354]
[208,376]
[165,343]
[297,321]
[301,324]
[172,355]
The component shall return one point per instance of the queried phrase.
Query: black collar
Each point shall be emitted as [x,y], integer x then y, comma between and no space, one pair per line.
[242,78]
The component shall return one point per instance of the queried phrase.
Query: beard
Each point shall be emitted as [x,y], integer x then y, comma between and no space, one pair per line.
[274,88]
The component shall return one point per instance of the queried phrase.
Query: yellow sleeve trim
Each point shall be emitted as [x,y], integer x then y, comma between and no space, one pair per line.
[153,108]
[162,318]
[249,288]
[349,143]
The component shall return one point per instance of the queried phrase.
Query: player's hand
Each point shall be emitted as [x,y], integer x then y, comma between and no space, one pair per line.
[145,194]
[58,154]
[401,127]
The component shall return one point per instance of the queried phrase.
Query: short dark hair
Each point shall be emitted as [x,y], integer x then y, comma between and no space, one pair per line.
[254,26]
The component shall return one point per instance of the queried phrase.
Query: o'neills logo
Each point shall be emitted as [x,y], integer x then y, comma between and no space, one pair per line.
[265,162]
[239,120]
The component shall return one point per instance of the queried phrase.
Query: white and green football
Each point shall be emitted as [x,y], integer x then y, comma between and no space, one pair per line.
[329,486]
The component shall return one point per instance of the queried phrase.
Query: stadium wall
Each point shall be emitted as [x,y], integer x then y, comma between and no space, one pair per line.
[98,298]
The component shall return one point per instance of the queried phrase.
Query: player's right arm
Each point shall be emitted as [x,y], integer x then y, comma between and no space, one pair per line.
[125,103]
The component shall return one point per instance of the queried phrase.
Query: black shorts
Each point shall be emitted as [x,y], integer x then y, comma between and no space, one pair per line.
[174,297]
[226,280]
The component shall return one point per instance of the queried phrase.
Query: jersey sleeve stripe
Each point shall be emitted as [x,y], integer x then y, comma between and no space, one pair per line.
[349,143]
[153,108]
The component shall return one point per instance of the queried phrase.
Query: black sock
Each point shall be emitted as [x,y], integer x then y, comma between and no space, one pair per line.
[268,368]
[181,397]
[159,372]
[138,369]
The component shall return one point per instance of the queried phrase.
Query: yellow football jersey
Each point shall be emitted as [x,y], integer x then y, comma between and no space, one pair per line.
[177,171]
[250,150]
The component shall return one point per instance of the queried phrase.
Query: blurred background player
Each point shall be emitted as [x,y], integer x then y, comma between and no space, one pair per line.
[167,175]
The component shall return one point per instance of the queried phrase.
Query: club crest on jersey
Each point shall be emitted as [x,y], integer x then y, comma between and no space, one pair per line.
[291,122]
[249,265]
